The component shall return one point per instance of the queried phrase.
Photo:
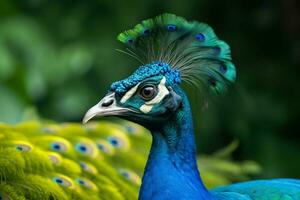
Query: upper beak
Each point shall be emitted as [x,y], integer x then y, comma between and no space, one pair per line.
[106,107]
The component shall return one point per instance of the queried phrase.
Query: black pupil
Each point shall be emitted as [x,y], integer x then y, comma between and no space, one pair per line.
[100,146]
[148,91]
[59,181]
[20,149]
[114,141]
[82,148]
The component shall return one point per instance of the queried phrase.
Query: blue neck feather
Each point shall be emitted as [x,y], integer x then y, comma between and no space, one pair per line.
[171,171]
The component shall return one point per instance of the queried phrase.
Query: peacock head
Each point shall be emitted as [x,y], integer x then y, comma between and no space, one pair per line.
[171,50]
[149,95]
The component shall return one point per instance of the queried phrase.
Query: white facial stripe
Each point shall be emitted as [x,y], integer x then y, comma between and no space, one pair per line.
[146,108]
[162,92]
[129,94]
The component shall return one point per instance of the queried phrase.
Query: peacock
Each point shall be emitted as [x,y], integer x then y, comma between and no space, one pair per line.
[44,160]
[172,50]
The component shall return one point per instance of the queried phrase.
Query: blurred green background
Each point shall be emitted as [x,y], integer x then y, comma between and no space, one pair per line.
[57,58]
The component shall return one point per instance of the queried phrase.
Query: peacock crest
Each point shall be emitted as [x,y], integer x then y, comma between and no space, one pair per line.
[181,50]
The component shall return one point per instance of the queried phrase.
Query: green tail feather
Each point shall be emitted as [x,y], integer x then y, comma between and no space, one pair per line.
[31,168]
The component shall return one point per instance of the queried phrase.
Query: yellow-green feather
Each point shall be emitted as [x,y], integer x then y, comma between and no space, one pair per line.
[29,165]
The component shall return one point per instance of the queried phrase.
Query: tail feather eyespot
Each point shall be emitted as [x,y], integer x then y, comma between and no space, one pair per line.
[23,147]
[87,167]
[59,146]
[130,176]
[105,147]
[86,148]
[83,182]
[63,181]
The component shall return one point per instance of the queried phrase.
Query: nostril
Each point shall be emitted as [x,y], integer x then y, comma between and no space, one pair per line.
[107,102]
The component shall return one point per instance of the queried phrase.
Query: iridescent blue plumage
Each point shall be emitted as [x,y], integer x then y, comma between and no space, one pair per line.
[146,71]
[172,49]
[189,51]
[276,189]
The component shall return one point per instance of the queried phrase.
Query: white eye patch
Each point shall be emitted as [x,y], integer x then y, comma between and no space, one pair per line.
[162,92]
[129,93]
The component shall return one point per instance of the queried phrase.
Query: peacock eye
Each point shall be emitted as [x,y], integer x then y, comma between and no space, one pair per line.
[54,158]
[86,183]
[62,181]
[115,141]
[23,148]
[148,92]
[58,146]
[85,149]
[130,176]
[88,168]
[104,147]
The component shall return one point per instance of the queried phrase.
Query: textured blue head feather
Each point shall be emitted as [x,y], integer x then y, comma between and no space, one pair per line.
[147,71]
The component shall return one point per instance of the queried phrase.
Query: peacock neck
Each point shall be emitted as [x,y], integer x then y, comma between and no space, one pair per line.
[171,171]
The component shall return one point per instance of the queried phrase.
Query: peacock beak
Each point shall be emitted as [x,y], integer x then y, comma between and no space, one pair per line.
[106,107]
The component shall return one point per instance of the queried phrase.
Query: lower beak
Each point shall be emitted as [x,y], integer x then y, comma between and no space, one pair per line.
[106,107]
